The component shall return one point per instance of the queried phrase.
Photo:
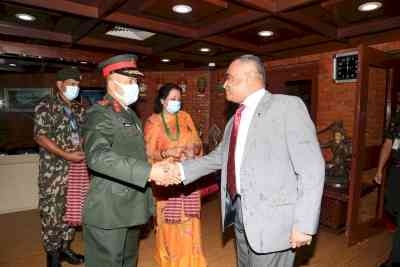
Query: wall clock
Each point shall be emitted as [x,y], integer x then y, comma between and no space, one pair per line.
[345,67]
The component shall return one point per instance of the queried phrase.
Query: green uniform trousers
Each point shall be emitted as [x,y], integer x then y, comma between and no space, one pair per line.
[111,248]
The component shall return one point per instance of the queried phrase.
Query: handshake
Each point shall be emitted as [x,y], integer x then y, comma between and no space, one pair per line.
[165,173]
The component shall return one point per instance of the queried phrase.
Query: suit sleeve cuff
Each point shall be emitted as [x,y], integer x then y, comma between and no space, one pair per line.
[182,172]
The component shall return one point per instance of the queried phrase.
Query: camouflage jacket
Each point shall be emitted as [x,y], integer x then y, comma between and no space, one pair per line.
[53,120]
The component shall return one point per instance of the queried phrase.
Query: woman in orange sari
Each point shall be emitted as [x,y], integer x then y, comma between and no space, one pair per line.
[170,133]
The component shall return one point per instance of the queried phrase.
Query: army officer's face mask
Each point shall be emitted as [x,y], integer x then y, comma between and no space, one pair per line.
[130,93]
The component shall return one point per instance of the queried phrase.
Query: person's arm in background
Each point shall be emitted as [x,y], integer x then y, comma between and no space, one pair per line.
[383,158]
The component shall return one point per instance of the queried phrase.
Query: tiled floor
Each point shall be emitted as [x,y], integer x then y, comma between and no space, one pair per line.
[20,244]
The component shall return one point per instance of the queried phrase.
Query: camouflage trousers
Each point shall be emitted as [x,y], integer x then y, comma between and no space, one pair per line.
[52,197]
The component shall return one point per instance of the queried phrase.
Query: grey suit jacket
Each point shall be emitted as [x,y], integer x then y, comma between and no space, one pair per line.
[281,175]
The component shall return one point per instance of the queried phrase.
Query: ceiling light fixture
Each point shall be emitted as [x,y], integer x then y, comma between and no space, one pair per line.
[84,62]
[205,49]
[165,60]
[211,64]
[182,9]
[265,33]
[25,17]
[12,65]
[369,6]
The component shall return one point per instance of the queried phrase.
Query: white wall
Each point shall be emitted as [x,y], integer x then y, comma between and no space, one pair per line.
[18,183]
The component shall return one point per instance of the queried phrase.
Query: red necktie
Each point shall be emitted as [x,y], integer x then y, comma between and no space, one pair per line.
[231,173]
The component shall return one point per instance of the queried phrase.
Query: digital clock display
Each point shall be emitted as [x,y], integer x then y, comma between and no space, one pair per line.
[345,67]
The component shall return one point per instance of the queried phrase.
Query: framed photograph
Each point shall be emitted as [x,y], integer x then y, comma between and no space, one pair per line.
[24,99]
[91,96]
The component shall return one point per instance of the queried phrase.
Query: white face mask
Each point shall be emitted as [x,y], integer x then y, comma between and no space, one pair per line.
[173,106]
[130,93]
[71,92]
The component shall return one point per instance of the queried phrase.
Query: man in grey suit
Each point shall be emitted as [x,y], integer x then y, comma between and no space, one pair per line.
[272,169]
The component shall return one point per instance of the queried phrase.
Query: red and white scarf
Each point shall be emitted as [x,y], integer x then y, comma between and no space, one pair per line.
[187,204]
[78,186]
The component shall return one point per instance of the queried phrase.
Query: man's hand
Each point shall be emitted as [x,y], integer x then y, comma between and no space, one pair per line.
[299,239]
[74,156]
[165,173]
[378,177]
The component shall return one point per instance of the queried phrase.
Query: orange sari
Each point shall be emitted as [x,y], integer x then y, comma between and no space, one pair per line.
[177,244]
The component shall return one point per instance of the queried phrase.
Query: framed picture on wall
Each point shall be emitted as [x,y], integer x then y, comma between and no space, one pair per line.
[24,99]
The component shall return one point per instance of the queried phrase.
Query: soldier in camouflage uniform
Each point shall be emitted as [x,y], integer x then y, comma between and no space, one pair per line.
[56,130]
[391,149]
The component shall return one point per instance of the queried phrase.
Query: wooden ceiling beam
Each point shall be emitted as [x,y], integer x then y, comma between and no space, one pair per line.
[284,5]
[264,5]
[330,3]
[52,52]
[123,46]
[369,27]
[245,17]
[106,7]
[233,43]
[144,5]
[22,31]
[309,22]
[151,25]
[61,5]
[291,44]
[220,3]
[294,17]
[312,49]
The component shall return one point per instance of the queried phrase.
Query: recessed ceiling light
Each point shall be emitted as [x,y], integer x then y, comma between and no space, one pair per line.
[205,49]
[182,9]
[369,6]
[12,65]
[25,17]
[265,33]
[165,60]
[84,62]
[211,64]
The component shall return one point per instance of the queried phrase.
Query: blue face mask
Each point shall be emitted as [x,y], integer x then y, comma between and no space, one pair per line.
[71,92]
[173,106]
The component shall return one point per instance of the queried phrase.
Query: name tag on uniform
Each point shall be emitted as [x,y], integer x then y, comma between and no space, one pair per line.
[396,144]
[128,124]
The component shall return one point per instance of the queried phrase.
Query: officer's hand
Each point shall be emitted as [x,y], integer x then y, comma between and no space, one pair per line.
[75,156]
[378,177]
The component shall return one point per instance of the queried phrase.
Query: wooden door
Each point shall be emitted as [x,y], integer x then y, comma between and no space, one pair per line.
[365,205]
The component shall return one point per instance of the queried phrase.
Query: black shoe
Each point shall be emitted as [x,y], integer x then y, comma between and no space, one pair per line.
[53,259]
[71,257]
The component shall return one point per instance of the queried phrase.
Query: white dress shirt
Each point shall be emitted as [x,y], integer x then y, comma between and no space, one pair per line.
[250,104]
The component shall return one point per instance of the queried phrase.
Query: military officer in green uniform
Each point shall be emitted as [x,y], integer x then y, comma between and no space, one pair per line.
[56,130]
[119,199]
[391,150]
